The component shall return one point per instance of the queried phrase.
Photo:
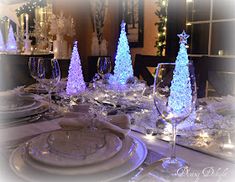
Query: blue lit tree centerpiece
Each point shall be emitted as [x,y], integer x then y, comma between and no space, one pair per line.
[123,70]
[180,90]
[75,84]
[174,97]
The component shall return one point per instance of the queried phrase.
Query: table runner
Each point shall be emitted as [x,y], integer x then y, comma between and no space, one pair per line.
[14,136]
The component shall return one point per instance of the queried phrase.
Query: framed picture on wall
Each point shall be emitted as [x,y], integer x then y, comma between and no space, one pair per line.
[133,13]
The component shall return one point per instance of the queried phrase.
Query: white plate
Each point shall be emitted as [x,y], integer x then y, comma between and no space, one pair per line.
[11,104]
[34,88]
[128,148]
[226,112]
[73,148]
[106,171]
[37,108]
[19,121]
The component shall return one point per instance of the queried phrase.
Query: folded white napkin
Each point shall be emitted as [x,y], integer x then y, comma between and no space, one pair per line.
[118,124]
[120,120]
[84,108]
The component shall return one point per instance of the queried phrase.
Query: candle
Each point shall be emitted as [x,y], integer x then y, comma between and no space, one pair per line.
[204,139]
[17,33]
[27,24]
[41,15]
[22,24]
[228,146]
[149,137]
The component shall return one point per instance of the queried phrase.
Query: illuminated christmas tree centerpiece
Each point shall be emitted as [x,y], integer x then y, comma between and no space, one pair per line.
[11,46]
[2,44]
[123,65]
[180,91]
[75,84]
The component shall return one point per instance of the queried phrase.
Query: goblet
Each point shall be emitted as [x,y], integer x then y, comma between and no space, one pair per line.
[174,96]
[104,66]
[49,75]
[33,69]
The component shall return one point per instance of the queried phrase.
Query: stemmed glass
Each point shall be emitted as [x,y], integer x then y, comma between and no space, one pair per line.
[49,75]
[174,95]
[33,68]
[104,66]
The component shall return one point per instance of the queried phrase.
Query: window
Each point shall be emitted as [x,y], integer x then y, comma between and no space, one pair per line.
[211,24]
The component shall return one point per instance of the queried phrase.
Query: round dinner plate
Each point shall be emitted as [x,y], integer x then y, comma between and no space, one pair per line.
[12,104]
[34,88]
[73,148]
[130,157]
[226,112]
[36,108]
[128,148]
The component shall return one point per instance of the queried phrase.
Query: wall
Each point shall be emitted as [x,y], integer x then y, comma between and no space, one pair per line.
[111,29]
[150,30]
[80,12]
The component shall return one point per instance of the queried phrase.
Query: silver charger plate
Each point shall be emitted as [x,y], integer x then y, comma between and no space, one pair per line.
[15,104]
[35,88]
[37,108]
[20,121]
[120,165]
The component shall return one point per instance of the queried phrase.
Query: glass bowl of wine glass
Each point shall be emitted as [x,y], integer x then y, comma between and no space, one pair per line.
[174,96]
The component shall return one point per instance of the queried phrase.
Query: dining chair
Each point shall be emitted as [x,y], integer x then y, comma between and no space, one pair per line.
[215,76]
[143,62]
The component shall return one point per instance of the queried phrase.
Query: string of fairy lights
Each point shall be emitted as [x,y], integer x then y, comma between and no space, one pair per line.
[30,6]
[161,13]
[27,8]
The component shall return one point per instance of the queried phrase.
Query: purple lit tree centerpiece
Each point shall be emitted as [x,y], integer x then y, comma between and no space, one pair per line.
[2,44]
[11,46]
[75,84]
[123,65]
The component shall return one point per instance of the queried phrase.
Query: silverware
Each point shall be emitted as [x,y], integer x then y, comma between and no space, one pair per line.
[144,171]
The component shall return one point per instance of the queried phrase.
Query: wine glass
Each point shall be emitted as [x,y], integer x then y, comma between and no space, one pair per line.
[174,95]
[104,66]
[33,69]
[49,75]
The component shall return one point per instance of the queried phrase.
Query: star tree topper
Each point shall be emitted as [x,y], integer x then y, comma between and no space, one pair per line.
[183,37]
[123,25]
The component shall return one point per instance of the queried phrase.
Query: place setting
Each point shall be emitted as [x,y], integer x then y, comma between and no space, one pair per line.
[80,150]
[117,91]
[21,106]
[93,138]
[17,109]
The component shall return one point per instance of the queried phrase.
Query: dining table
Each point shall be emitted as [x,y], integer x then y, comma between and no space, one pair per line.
[204,163]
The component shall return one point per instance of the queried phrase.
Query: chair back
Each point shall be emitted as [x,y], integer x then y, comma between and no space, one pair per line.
[218,72]
[142,62]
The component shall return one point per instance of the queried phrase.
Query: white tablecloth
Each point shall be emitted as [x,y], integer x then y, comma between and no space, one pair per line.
[217,169]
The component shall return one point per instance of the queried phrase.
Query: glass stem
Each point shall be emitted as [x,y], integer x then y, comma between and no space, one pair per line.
[37,87]
[49,101]
[229,138]
[173,156]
